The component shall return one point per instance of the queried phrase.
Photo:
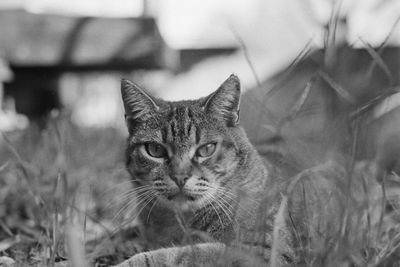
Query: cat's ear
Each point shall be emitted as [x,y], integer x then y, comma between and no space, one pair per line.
[139,106]
[224,102]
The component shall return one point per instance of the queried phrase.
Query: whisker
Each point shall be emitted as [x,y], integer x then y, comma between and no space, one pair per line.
[216,212]
[133,217]
[151,208]
[115,186]
[234,199]
[128,204]
[131,193]
[226,204]
[152,196]
[231,208]
[226,193]
[224,209]
[136,189]
[232,195]
[133,189]
[120,211]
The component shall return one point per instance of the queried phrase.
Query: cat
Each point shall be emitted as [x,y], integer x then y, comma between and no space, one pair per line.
[208,198]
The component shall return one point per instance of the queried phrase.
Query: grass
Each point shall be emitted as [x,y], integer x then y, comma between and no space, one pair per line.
[55,181]
[63,189]
[59,186]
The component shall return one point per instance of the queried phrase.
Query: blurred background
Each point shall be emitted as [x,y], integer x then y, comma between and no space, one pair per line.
[319,77]
[69,56]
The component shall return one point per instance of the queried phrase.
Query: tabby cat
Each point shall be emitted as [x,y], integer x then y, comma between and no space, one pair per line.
[208,198]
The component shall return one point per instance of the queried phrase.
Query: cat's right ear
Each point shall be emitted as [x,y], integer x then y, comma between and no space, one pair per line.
[139,106]
[224,102]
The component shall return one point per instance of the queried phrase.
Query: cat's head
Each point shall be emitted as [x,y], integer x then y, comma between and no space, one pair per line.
[185,153]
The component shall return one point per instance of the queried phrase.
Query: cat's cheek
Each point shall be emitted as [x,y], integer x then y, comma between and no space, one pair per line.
[144,161]
[222,167]
[142,152]
[229,160]
[143,167]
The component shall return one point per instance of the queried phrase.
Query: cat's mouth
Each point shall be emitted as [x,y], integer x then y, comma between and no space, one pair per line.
[182,197]
[182,201]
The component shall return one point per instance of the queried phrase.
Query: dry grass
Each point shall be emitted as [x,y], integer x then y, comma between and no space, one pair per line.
[62,187]
[56,187]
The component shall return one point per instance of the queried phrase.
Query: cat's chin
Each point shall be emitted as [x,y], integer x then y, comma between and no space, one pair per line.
[184,206]
[183,203]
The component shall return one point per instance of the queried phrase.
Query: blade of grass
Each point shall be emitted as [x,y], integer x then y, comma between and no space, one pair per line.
[297,106]
[75,245]
[27,171]
[376,57]
[280,220]
[337,87]
[246,54]
[304,52]
[330,36]
[383,45]
[371,104]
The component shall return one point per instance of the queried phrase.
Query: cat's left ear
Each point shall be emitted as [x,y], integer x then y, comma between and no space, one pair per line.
[224,102]
[139,106]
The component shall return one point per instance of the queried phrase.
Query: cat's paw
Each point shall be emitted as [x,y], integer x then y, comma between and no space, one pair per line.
[200,255]
[141,259]
[168,257]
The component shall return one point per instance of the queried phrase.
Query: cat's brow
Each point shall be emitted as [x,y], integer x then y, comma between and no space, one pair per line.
[180,125]
[197,135]
[187,122]
[155,136]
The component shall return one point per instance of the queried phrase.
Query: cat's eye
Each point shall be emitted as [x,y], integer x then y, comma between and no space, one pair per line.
[155,150]
[206,150]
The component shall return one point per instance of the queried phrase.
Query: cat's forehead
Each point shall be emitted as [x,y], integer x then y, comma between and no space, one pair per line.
[183,111]
[182,124]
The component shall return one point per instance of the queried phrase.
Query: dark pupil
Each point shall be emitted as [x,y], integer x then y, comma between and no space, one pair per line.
[206,150]
[155,150]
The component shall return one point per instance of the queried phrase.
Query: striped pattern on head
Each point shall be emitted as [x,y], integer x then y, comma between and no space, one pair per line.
[185,153]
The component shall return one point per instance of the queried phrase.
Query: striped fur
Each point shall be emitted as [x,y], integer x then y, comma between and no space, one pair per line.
[205,211]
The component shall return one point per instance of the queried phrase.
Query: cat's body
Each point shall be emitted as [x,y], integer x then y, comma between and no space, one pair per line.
[207,197]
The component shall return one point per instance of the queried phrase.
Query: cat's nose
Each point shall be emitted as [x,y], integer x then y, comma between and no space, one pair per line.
[180,179]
